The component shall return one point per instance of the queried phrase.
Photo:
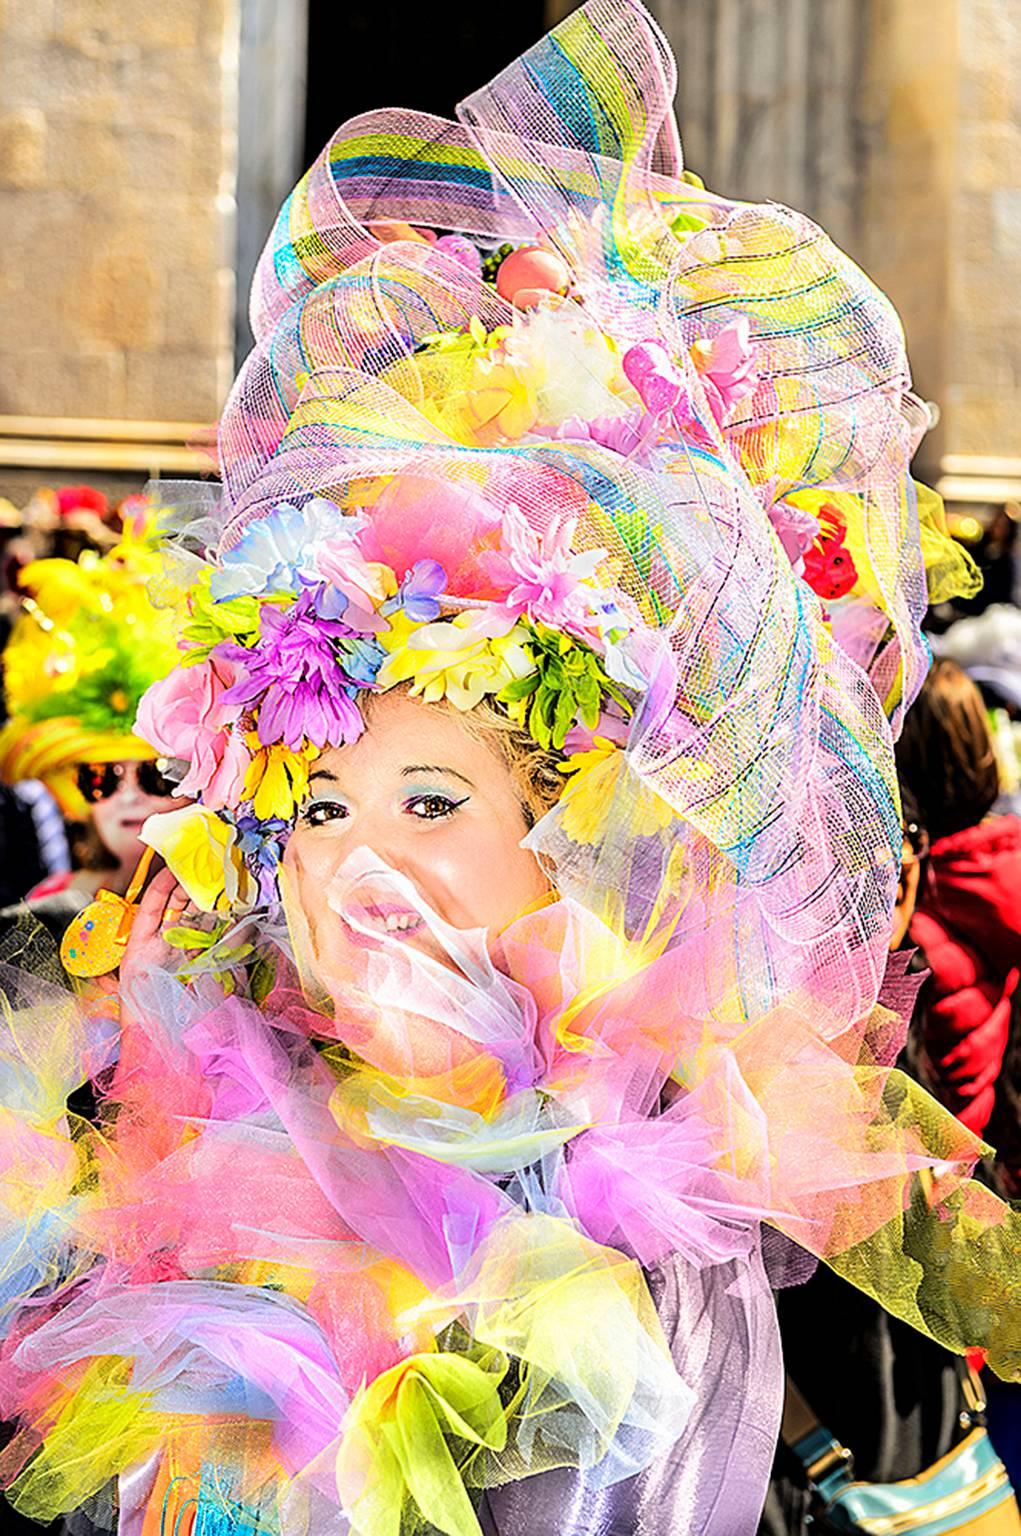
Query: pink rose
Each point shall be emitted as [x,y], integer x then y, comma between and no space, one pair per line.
[184,716]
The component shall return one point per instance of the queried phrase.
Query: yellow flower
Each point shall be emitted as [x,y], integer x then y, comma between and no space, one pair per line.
[277,778]
[592,793]
[437,666]
[200,849]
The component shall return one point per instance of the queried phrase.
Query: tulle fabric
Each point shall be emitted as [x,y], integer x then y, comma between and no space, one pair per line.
[293,1277]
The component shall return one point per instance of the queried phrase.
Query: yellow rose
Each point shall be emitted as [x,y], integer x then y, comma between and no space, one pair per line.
[430,657]
[200,849]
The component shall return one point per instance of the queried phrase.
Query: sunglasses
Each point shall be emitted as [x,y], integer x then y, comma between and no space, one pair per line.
[98,781]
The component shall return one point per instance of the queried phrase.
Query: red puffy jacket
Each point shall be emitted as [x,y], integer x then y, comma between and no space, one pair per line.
[968,923]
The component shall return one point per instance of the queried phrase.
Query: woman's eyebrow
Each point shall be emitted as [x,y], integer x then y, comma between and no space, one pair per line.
[413,768]
[322,773]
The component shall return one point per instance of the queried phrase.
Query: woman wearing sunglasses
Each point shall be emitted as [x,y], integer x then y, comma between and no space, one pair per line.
[87,645]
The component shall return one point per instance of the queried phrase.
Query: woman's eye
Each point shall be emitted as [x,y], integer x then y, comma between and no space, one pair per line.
[432,807]
[323,811]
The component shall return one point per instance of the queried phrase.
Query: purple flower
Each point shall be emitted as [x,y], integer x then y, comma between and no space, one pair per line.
[296,677]
[419,592]
[261,844]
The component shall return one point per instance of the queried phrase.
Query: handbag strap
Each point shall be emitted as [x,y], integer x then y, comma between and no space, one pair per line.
[829,1465]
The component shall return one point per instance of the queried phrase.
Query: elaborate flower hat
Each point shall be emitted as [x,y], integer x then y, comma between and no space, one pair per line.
[628,458]
[82,653]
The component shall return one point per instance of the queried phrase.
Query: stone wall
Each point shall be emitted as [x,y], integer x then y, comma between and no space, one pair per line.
[117,172]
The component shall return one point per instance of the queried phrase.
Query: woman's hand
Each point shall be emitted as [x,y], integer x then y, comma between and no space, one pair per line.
[163,905]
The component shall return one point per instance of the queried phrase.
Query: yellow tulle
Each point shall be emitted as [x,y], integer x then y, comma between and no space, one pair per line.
[407,1437]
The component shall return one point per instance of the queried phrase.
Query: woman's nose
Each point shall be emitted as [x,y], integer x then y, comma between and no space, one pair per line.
[390,841]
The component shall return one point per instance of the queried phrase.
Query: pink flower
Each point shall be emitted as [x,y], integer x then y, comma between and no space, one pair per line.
[364,583]
[539,574]
[186,716]
[726,366]
[796,529]
[627,435]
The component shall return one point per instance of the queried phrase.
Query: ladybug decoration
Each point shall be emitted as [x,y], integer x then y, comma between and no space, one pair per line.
[828,566]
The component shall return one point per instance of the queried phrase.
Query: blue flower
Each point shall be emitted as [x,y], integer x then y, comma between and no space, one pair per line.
[276,553]
[419,592]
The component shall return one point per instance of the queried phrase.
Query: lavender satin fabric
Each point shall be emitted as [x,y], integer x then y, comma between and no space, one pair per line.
[720,1323]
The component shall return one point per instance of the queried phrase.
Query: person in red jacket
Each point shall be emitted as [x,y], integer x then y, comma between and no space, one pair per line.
[965,1037]
[968,918]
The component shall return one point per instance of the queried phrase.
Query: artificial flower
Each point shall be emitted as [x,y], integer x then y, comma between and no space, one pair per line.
[627,434]
[275,552]
[295,675]
[590,797]
[261,844]
[829,567]
[187,715]
[209,621]
[452,660]
[277,779]
[796,528]
[726,366]
[419,593]
[201,851]
[541,576]
[364,583]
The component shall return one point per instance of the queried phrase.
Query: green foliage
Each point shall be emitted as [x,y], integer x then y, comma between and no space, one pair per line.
[568,685]
[209,622]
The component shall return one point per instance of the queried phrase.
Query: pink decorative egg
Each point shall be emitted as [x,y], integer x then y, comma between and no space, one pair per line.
[462,251]
[531,273]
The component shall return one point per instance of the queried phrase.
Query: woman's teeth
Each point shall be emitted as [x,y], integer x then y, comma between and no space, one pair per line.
[399,922]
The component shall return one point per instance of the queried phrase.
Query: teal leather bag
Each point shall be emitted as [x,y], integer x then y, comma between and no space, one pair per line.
[966,1491]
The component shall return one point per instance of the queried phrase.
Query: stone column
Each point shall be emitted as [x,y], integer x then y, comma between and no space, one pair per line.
[117,170]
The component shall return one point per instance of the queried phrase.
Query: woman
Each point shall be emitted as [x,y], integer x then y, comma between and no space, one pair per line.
[968,920]
[539,887]
[87,645]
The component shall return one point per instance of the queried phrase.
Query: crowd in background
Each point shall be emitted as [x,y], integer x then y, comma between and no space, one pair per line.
[889,1395]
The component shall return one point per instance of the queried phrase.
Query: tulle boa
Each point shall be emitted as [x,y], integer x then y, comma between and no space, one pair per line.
[271,1275]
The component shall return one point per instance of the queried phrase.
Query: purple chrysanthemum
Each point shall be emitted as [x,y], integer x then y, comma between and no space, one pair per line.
[296,678]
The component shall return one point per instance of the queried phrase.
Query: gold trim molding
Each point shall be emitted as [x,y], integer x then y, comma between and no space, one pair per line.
[71,443]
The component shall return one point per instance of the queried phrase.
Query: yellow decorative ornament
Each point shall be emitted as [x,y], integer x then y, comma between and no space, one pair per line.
[94,942]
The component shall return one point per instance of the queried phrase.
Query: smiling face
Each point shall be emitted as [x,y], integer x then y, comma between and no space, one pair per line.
[434,801]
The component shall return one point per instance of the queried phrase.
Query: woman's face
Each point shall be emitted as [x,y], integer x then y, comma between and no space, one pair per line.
[118,817]
[433,802]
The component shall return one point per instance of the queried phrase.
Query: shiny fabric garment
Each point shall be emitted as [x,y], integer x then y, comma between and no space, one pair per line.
[713,1482]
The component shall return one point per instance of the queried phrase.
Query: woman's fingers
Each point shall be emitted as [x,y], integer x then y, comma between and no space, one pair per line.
[152,908]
